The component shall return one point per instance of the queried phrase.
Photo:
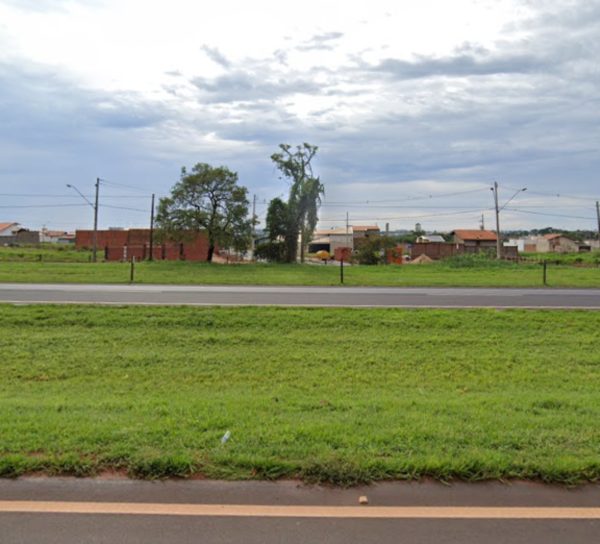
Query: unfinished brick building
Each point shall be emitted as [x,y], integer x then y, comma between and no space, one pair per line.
[123,245]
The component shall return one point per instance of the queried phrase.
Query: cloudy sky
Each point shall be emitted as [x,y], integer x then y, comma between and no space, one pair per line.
[416,106]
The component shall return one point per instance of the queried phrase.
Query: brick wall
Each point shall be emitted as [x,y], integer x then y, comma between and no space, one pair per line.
[119,245]
[343,253]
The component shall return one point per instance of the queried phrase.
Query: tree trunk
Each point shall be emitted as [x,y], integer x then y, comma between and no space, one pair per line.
[211,250]
[302,246]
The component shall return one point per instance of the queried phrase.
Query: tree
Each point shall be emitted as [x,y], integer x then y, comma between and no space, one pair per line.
[278,220]
[372,251]
[207,199]
[305,194]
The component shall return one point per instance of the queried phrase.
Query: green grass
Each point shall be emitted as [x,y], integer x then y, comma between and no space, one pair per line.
[342,396]
[591,258]
[45,252]
[442,274]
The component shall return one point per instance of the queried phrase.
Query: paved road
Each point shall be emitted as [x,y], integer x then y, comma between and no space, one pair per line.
[301,296]
[493,513]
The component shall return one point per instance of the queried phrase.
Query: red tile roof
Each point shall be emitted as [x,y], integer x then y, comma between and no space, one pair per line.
[552,236]
[475,234]
[5,226]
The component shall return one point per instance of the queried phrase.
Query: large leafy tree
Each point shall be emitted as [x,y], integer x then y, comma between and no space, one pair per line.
[305,194]
[207,199]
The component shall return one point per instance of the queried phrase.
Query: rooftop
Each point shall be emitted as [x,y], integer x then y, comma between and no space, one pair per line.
[475,234]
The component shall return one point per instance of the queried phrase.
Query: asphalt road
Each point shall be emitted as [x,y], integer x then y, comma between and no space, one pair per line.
[414,513]
[301,296]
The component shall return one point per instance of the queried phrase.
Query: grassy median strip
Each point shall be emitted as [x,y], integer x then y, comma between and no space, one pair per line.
[337,395]
[439,274]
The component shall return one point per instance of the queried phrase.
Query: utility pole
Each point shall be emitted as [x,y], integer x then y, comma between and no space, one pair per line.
[498,209]
[253,226]
[482,226]
[151,257]
[598,217]
[347,230]
[498,242]
[95,236]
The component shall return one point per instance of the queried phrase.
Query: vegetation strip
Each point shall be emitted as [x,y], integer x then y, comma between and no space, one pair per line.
[342,512]
[452,273]
[337,395]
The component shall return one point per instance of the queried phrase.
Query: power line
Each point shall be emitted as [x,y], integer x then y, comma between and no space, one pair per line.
[408,198]
[123,208]
[113,183]
[556,195]
[33,195]
[404,217]
[45,206]
[401,207]
[549,214]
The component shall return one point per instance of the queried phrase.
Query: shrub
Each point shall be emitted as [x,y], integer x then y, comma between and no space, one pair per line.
[271,251]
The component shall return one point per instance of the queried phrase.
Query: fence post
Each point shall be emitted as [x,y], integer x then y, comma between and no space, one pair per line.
[132,270]
[545,265]
[342,270]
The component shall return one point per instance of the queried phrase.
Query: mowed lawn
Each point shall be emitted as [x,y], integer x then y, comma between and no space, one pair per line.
[337,395]
[440,274]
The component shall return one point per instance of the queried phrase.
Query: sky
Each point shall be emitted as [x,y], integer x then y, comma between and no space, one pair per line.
[417,107]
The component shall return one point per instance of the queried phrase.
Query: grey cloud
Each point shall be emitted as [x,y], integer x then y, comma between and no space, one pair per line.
[461,65]
[577,15]
[320,41]
[33,94]
[240,85]
[216,56]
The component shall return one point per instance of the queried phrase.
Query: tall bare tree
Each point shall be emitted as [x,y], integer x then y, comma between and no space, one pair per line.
[305,194]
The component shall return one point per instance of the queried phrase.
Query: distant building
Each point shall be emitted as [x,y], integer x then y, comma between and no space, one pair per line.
[430,239]
[557,243]
[594,244]
[524,245]
[57,236]
[475,238]
[9,229]
[332,239]
[463,241]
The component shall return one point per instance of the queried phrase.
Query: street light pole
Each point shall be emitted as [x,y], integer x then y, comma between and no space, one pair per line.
[95,208]
[498,246]
[498,210]
[151,257]
[95,238]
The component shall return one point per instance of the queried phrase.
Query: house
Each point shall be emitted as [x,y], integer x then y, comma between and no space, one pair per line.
[331,239]
[557,243]
[523,245]
[9,229]
[475,238]
[351,237]
[57,236]
[430,239]
[594,244]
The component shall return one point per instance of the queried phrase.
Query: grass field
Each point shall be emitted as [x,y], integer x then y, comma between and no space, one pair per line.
[593,257]
[343,396]
[440,274]
[46,252]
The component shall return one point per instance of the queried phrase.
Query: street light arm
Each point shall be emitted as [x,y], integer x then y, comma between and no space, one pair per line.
[513,196]
[80,194]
